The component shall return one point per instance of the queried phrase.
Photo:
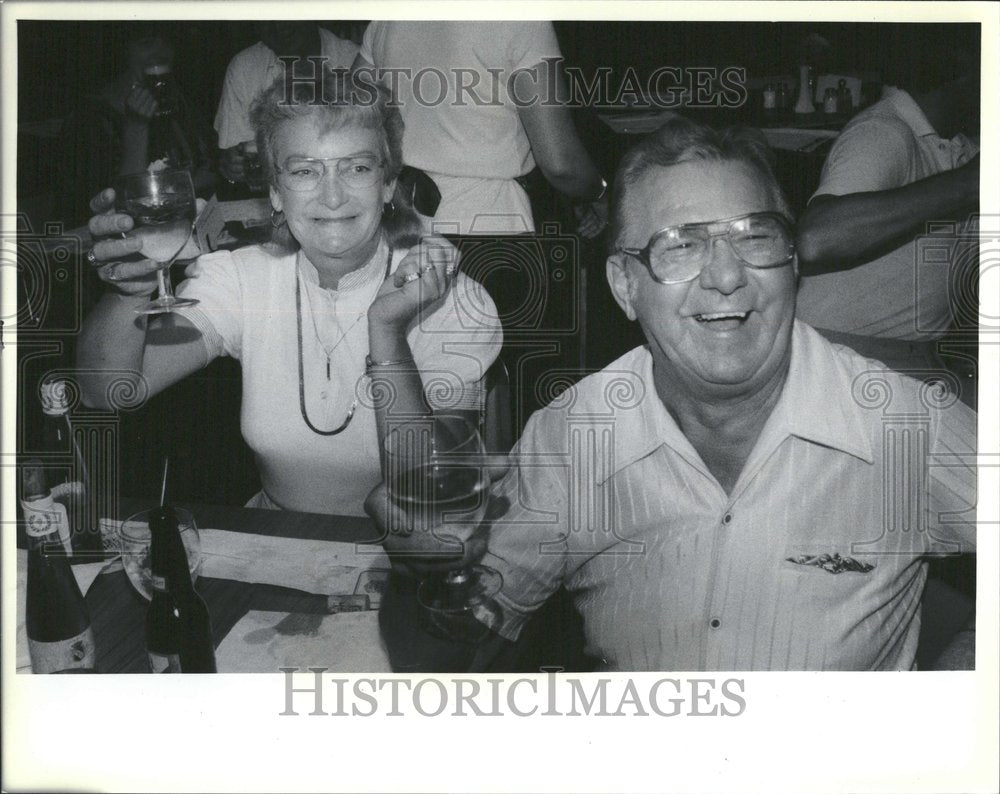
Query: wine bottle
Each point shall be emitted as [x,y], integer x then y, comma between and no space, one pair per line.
[69,481]
[169,144]
[164,628]
[60,638]
[196,650]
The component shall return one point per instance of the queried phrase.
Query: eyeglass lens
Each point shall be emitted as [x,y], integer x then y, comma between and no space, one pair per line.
[305,173]
[681,251]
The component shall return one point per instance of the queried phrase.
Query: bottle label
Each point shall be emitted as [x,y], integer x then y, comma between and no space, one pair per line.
[44,517]
[73,655]
[164,662]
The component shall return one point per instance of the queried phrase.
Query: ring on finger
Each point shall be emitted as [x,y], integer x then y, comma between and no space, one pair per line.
[412,276]
[91,257]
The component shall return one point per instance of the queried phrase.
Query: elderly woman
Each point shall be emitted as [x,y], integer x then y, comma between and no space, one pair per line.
[335,326]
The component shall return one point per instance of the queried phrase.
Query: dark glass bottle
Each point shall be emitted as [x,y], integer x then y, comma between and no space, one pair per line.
[60,638]
[196,650]
[169,142]
[67,476]
[164,628]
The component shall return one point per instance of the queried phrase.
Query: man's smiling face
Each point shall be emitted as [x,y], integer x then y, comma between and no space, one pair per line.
[728,331]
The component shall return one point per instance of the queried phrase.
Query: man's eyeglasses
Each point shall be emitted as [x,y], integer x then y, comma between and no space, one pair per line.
[306,173]
[678,253]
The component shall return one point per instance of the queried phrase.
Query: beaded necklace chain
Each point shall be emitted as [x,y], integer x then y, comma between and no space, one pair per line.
[329,353]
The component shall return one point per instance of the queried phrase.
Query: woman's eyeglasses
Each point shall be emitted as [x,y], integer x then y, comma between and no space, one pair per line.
[305,173]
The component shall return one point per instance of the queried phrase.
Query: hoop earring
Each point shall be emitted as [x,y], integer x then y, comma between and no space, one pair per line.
[277,218]
[389,210]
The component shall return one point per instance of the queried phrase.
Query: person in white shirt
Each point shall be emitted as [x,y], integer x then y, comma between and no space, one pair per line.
[737,494]
[301,313]
[875,277]
[476,102]
[254,69]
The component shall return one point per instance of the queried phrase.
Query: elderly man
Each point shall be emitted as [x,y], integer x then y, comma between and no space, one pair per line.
[739,493]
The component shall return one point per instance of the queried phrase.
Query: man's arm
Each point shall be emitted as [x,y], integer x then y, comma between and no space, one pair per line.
[842,232]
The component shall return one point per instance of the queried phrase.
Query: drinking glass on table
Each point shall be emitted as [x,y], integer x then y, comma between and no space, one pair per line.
[436,471]
[136,541]
[162,205]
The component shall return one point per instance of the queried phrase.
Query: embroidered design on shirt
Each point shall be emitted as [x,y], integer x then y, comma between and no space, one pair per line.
[832,563]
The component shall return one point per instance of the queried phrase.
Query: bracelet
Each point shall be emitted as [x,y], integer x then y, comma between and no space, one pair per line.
[370,364]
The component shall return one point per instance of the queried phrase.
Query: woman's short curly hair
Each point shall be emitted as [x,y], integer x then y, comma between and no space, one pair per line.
[337,100]
[681,140]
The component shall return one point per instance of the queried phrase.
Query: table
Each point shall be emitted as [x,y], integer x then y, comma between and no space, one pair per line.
[118,612]
[552,639]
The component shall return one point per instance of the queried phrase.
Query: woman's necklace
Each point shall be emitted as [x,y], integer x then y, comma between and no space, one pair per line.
[328,351]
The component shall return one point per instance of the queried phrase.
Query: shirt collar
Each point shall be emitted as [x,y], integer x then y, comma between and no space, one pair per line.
[816,404]
[371,272]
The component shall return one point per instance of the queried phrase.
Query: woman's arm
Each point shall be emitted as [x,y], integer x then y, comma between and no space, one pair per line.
[422,278]
[119,351]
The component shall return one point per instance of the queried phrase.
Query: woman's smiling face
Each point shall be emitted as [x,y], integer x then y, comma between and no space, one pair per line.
[336,224]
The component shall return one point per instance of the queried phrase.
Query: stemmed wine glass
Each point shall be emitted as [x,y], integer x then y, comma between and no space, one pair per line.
[435,470]
[136,543]
[162,205]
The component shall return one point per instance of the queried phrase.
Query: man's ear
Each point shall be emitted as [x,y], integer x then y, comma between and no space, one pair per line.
[621,283]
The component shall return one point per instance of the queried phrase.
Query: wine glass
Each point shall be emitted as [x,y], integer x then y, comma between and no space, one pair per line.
[162,205]
[435,470]
[136,540]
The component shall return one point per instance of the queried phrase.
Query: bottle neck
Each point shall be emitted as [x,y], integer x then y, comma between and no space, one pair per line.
[168,559]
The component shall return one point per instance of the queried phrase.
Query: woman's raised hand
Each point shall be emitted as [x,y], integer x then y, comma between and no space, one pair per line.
[423,277]
[116,255]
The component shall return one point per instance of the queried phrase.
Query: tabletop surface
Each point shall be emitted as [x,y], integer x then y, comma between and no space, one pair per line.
[118,612]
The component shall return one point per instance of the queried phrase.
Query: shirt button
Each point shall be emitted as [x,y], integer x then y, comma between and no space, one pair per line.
[715,623]
[727,518]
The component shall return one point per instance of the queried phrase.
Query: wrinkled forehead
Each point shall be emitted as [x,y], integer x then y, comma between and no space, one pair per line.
[693,191]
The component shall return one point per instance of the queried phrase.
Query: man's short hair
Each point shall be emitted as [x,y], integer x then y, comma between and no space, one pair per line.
[681,140]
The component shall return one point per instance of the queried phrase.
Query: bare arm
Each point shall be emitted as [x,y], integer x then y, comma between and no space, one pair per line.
[117,348]
[554,141]
[841,232]
[422,278]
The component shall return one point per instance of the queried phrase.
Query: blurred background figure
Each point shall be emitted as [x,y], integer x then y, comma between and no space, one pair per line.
[139,117]
[254,69]
[868,281]
[466,131]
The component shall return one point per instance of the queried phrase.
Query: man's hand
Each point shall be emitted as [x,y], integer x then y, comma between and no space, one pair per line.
[591,218]
[140,103]
[232,163]
[418,550]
